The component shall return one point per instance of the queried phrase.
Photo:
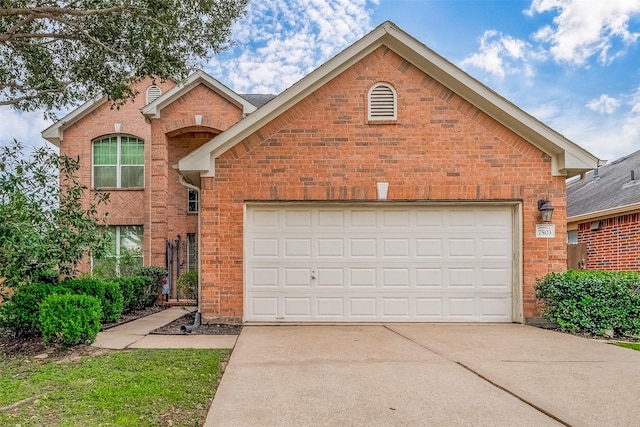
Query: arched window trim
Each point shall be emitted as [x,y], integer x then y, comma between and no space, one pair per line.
[121,167]
[153,92]
[382,102]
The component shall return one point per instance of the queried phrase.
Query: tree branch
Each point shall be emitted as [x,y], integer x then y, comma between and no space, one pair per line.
[36,94]
[55,11]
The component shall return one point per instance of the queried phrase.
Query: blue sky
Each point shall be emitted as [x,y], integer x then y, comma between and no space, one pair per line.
[573,64]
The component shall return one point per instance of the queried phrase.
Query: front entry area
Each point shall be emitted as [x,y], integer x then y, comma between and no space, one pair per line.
[379,263]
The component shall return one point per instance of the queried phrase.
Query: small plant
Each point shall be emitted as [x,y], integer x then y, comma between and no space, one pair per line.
[128,289]
[187,285]
[592,301]
[69,320]
[20,313]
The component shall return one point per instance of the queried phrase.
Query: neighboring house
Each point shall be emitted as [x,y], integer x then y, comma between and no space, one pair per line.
[603,215]
[387,185]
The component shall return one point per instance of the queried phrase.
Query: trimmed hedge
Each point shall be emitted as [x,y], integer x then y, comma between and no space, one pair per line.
[592,301]
[70,319]
[108,293]
[21,312]
[139,292]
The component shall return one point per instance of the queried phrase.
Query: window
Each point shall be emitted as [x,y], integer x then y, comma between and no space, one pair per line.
[192,256]
[383,102]
[125,244]
[118,162]
[153,93]
[572,237]
[192,201]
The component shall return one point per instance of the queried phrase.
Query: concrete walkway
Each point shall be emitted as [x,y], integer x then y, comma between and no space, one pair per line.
[427,374]
[135,334]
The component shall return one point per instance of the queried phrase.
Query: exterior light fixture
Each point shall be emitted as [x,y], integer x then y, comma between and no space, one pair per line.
[546,209]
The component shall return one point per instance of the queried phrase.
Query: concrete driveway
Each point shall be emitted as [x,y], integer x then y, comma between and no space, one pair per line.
[425,374]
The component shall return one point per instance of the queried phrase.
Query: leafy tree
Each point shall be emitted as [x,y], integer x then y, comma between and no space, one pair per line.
[48,222]
[56,53]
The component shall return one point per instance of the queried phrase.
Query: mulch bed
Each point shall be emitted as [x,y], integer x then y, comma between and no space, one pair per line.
[10,346]
[174,328]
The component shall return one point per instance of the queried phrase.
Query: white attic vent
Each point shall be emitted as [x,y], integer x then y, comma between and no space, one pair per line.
[383,102]
[153,93]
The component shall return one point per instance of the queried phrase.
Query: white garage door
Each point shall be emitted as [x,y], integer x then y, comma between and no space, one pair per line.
[378,264]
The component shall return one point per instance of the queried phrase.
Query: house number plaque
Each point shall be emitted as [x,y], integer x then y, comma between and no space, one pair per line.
[546,231]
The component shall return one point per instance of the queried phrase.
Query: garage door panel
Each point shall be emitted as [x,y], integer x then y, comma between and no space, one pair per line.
[330,247]
[360,307]
[298,307]
[330,277]
[265,276]
[265,248]
[365,264]
[297,277]
[393,247]
[362,277]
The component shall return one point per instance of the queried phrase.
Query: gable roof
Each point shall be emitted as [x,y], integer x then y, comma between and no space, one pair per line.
[54,133]
[153,109]
[568,159]
[248,103]
[610,191]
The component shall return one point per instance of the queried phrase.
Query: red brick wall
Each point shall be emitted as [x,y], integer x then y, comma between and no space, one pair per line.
[126,207]
[323,149]
[174,135]
[615,246]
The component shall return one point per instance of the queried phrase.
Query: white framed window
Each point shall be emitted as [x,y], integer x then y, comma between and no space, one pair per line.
[193,202]
[192,253]
[118,162]
[153,93]
[125,249]
[382,102]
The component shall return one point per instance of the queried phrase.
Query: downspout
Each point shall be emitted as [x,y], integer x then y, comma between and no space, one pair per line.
[198,318]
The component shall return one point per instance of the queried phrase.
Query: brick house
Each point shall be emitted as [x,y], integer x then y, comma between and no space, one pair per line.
[603,215]
[387,185]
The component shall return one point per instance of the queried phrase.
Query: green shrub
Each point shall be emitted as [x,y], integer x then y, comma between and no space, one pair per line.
[20,313]
[592,301]
[70,319]
[113,303]
[111,300]
[157,275]
[187,285]
[128,289]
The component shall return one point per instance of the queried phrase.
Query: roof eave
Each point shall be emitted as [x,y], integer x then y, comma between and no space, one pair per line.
[568,159]
[605,213]
[152,110]
[55,133]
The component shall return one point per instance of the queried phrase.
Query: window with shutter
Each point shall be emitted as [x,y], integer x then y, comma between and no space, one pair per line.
[383,102]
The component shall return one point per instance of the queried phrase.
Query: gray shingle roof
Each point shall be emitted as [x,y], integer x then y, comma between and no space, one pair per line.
[610,188]
[257,99]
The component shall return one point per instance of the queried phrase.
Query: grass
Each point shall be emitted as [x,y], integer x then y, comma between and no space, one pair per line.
[125,388]
[631,345]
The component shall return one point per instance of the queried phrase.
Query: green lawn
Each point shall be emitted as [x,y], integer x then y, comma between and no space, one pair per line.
[124,388]
[631,345]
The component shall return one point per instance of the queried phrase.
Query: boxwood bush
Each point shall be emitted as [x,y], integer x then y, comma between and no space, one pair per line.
[20,313]
[69,319]
[108,293]
[592,301]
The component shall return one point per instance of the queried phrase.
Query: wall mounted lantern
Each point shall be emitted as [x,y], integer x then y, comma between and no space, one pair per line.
[546,209]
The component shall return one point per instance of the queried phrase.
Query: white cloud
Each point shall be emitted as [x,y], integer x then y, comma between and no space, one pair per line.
[605,104]
[22,126]
[501,55]
[586,28]
[281,41]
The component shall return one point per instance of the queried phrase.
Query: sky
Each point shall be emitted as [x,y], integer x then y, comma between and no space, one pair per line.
[573,64]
